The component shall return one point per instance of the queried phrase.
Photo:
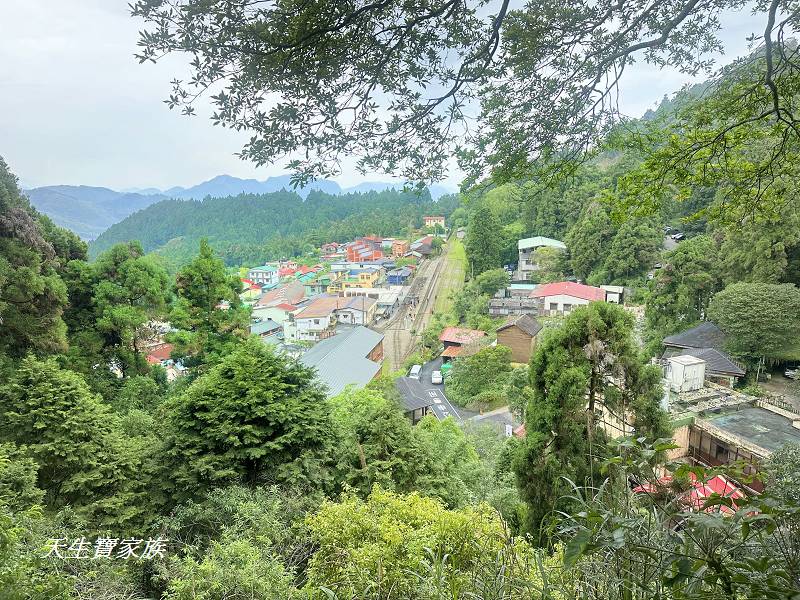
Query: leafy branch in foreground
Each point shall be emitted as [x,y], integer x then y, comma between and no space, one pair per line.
[398,84]
[741,138]
[655,540]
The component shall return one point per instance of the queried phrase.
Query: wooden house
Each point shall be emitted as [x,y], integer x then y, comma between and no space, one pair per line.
[519,333]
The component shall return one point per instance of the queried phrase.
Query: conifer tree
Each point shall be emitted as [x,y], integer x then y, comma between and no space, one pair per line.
[255,416]
[208,329]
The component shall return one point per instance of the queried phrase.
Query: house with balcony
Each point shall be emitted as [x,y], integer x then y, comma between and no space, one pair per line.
[314,322]
[266,275]
[318,319]
[527,248]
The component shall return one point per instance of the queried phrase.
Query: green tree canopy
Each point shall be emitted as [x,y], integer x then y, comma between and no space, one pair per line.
[487,369]
[73,438]
[381,545]
[633,253]
[588,239]
[125,290]
[255,416]
[683,287]
[374,442]
[32,294]
[208,329]
[591,359]
[545,76]
[483,243]
[761,320]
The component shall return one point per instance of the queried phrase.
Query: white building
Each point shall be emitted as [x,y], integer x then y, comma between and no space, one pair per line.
[527,247]
[685,373]
[319,318]
[388,299]
[560,298]
[265,275]
[614,293]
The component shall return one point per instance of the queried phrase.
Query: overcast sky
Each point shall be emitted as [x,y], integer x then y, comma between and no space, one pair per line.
[76,108]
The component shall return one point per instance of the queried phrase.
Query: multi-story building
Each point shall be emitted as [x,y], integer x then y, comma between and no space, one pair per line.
[316,321]
[365,249]
[266,275]
[319,318]
[356,278]
[433,221]
[400,248]
[527,264]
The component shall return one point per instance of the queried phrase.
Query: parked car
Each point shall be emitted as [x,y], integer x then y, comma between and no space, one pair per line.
[677,236]
[436,378]
[415,371]
[792,373]
[657,266]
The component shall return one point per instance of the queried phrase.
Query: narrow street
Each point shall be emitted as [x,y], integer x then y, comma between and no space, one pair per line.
[424,391]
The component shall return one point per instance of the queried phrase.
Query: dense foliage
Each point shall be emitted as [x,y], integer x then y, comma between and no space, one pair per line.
[251,229]
[590,363]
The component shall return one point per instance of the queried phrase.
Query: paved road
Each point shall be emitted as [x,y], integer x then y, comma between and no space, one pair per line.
[669,243]
[423,391]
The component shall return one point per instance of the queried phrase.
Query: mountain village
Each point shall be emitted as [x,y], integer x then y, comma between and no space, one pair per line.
[358,312]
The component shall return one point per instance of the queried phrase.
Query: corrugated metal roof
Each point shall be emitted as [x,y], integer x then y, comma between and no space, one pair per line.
[569,288]
[342,360]
[265,326]
[705,335]
[538,241]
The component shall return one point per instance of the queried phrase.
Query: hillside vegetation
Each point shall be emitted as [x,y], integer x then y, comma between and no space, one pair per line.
[247,228]
[88,211]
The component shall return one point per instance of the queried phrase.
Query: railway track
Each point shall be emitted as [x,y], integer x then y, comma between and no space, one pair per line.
[397,330]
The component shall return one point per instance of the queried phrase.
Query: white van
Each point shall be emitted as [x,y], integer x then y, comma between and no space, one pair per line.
[415,371]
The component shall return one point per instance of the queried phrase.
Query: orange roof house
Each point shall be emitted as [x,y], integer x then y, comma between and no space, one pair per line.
[460,336]
[459,341]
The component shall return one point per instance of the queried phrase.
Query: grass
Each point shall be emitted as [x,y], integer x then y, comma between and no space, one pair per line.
[452,276]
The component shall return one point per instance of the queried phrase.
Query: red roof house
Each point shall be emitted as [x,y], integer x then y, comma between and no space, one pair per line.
[159,354]
[460,335]
[459,341]
[699,492]
[563,296]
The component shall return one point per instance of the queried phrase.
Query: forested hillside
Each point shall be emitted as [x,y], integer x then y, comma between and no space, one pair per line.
[88,211]
[246,229]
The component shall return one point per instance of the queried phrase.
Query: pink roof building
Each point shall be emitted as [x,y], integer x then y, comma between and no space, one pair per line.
[569,288]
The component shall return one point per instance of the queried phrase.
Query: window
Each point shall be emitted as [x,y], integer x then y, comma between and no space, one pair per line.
[720,453]
[567,307]
[554,306]
[316,321]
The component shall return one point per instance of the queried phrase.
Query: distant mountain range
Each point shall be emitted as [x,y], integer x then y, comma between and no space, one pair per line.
[88,211]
